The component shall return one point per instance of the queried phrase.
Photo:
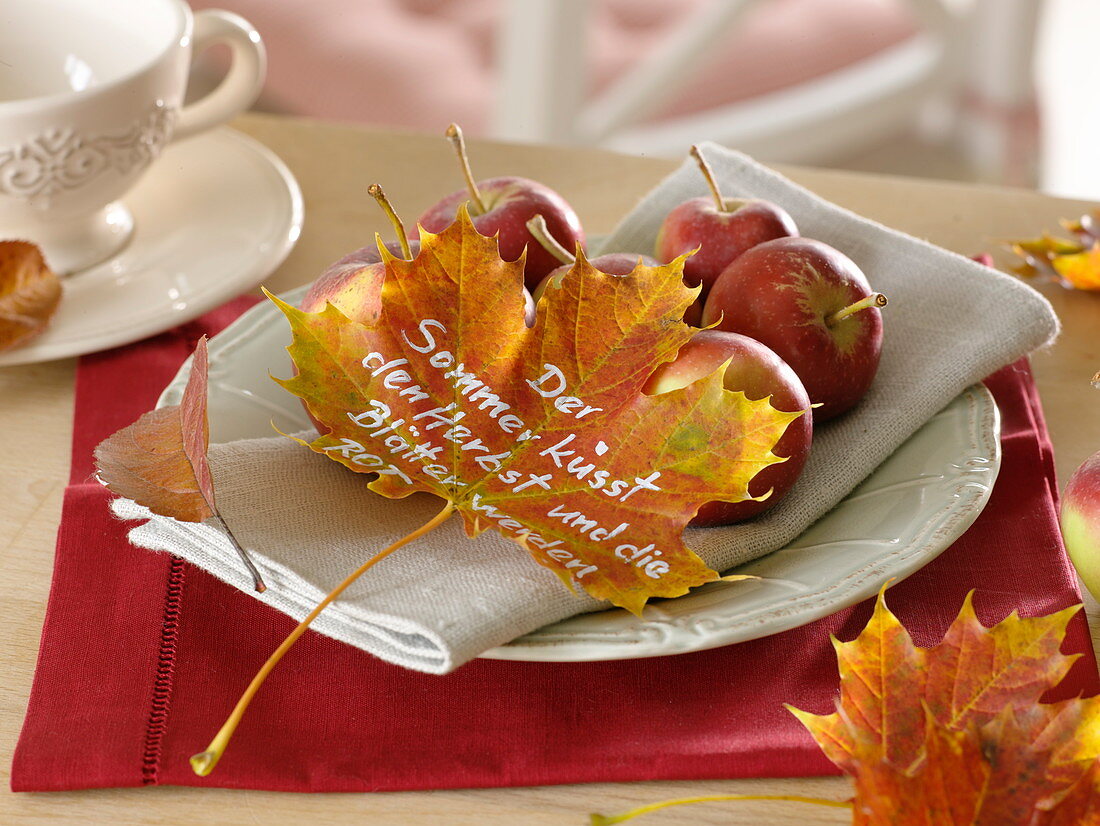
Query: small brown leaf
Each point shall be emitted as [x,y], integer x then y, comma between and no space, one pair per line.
[160,460]
[29,293]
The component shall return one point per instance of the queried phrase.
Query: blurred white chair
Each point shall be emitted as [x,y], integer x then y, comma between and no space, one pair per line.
[971,58]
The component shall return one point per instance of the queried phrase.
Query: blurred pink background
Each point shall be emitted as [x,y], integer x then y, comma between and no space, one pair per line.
[993,66]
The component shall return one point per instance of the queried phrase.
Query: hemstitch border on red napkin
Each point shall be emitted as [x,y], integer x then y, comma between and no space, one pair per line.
[157,725]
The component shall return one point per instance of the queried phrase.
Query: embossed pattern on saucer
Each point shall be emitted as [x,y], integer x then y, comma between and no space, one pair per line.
[215,215]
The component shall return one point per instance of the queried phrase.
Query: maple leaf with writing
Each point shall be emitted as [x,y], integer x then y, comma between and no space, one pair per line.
[29,293]
[541,433]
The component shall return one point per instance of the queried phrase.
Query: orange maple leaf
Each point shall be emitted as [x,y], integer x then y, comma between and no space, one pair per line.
[956,733]
[29,293]
[542,433]
[1081,269]
[1078,805]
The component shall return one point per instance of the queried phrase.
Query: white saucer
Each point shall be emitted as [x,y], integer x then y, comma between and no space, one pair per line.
[214,216]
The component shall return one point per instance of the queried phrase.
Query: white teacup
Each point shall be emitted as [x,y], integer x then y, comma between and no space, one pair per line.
[90,93]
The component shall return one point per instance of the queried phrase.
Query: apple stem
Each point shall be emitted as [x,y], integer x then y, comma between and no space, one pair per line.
[605,820]
[204,762]
[454,135]
[708,173]
[873,300]
[376,192]
[541,233]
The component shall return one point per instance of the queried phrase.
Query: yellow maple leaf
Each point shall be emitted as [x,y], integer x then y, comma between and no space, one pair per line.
[1081,269]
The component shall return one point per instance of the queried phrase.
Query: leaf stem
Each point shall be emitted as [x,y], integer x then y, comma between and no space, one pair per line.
[454,135]
[541,233]
[376,192]
[873,300]
[257,581]
[604,820]
[204,762]
[708,173]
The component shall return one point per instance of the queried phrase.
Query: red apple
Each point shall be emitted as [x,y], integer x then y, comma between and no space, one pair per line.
[757,372]
[693,315]
[612,263]
[529,312]
[504,206]
[353,284]
[1080,520]
[720,228]
[813,306]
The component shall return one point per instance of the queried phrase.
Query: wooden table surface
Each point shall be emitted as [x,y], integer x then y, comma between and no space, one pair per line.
[334,165]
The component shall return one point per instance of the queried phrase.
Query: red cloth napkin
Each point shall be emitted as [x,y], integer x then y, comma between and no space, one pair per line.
[143,655]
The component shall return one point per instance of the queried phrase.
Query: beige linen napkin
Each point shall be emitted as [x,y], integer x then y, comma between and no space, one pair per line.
[438,603]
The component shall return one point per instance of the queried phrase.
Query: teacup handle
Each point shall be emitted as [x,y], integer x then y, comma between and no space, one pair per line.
[241,85]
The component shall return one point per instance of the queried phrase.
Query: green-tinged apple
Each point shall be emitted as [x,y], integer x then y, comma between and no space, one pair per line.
[721,229]
[502,207]
[813,306]
[758,372]
[1080,518]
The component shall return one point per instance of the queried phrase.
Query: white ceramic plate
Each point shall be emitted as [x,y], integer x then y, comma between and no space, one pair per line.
[213,217]
[902,516]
